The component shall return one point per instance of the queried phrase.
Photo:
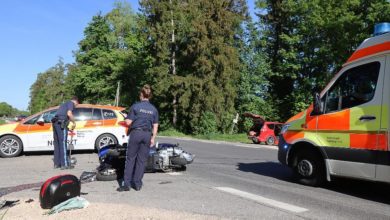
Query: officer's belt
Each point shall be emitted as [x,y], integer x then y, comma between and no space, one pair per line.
[140,129]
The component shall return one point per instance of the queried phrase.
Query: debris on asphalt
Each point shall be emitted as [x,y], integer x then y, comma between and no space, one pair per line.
[29,201]
[87,177]
[70,204]
[8,203]
[165,182]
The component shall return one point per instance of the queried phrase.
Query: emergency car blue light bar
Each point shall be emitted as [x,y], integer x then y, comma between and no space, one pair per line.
[381,28]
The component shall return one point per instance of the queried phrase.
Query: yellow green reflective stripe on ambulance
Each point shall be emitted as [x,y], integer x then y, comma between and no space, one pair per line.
[296,125]
[385,117]
[332,139]
[357,112]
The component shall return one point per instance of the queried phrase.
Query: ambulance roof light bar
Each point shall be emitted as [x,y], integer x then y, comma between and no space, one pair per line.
[381,28]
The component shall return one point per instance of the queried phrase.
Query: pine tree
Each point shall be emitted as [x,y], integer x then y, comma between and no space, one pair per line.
[207,61]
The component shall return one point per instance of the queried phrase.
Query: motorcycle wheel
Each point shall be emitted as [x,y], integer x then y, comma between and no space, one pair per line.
[104,177]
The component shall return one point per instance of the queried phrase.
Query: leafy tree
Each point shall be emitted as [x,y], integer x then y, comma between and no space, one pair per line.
[49,88]
[5,109]
[253,85]
[111,52]
[307,42]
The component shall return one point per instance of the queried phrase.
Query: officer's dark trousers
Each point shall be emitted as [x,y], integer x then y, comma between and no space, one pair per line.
[137,155]
[60,145]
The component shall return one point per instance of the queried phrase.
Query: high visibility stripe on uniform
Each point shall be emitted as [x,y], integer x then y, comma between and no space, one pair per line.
[369,51]
[64,145]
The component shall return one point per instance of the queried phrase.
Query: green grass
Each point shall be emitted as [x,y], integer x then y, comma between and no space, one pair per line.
[2,121]
[242,138]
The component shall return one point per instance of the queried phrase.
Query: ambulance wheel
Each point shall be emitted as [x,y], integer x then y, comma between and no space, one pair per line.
[104,140]
[103,177]
[310,168]
[270,140]
[10,146]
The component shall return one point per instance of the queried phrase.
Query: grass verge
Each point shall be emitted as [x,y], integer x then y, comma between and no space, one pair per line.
[242,138]
[2,121]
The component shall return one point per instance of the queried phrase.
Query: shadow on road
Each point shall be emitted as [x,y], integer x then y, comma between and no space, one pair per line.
[373,191]
[271,169]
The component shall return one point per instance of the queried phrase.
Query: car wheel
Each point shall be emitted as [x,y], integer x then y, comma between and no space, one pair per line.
[270,140]
[310,168]
[10,146]
[104,140]
[106,175]
[255,140]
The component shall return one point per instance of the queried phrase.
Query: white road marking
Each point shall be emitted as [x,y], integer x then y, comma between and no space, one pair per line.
[175,174]
[263,200]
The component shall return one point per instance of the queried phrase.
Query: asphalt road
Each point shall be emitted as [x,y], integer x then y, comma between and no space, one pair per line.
[233,181]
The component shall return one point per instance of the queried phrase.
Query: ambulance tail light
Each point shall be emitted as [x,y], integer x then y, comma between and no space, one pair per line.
[381,28]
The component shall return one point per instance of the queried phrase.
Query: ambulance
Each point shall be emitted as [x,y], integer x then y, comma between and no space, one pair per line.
[345,132]
[96,126]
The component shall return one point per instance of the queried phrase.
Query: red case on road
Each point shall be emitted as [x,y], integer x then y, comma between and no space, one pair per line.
[58,189]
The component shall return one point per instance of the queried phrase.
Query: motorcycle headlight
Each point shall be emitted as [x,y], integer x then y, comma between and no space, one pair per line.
[284,128]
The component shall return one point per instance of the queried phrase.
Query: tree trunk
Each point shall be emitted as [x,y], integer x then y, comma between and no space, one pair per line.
[174,101]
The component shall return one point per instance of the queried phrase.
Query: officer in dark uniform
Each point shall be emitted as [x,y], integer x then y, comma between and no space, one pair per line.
[143,124]
[60,132]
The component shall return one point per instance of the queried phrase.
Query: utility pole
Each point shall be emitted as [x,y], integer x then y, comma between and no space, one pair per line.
[173,54]
[117,94]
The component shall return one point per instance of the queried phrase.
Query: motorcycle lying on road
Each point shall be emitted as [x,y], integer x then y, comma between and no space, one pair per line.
[163,157]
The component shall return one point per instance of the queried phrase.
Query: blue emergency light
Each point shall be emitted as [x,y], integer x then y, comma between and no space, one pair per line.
[381,28]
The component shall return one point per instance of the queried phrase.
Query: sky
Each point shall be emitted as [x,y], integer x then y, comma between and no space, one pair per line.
[34,34]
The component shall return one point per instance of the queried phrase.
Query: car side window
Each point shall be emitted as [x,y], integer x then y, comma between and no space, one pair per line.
[108,114]
[97,114]
[82,114]
[32,120]
[47,116]
[355,87]
[271,126]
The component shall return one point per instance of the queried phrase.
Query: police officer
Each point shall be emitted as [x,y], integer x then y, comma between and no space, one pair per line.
[143,124]
[60,132]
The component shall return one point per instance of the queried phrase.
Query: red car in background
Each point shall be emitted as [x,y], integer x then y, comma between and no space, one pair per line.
[263,131]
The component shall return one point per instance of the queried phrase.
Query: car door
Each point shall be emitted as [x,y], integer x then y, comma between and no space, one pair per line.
[348,128]
[40,132]
[383,162]
[83,134]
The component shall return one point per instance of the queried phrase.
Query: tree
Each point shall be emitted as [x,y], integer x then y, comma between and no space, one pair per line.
[49,88]
[110,52]
[207,61]
[253,85]
[307,42]
[5,109]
